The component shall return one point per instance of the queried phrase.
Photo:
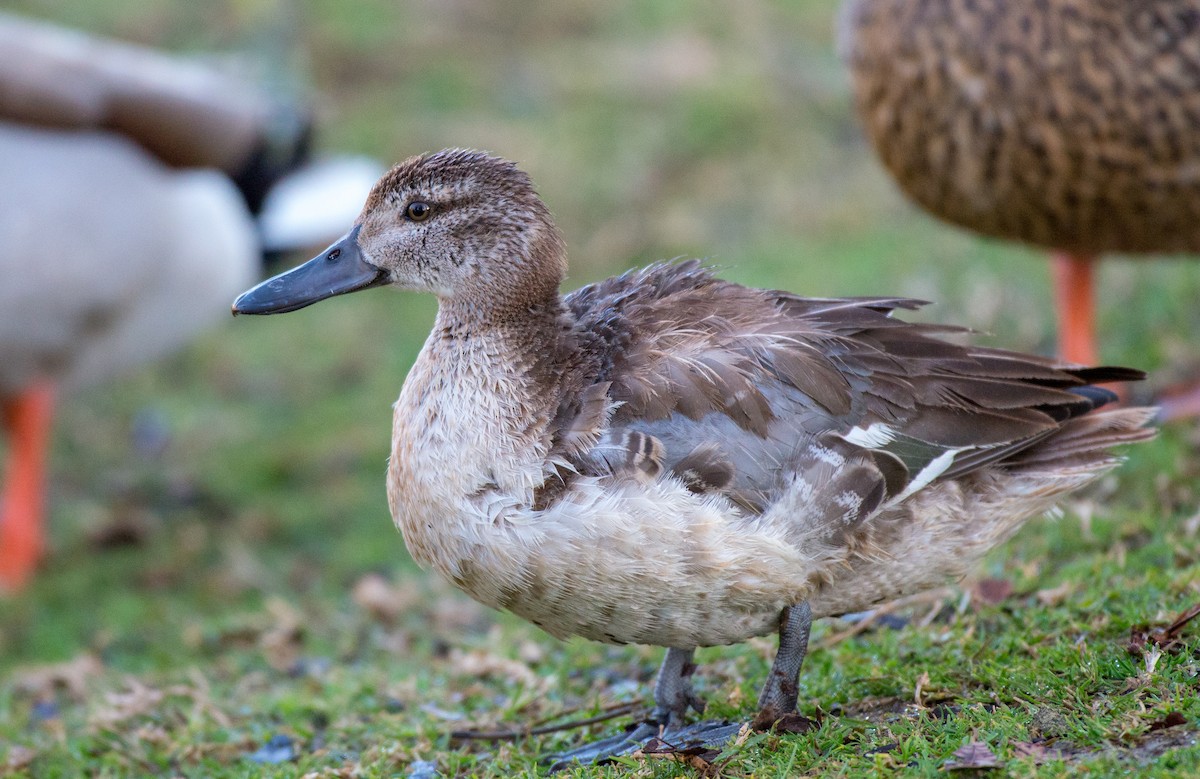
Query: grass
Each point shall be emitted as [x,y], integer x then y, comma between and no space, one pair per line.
[224,571]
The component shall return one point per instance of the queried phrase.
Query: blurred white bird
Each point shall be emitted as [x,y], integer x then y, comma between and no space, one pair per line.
[127,216]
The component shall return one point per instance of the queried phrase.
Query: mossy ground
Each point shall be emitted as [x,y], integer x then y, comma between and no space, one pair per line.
[223,568]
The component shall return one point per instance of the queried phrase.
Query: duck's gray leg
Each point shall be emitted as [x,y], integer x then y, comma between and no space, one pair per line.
[778,696]
[673,696]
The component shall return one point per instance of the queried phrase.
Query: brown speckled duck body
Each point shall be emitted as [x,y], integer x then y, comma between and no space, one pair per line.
[668,458]
[1068,124]
[1071,124]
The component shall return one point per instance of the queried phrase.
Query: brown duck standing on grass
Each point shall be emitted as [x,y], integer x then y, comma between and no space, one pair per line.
[1068,124]
[667,458]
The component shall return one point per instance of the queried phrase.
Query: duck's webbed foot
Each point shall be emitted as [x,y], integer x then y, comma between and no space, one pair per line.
[673,696]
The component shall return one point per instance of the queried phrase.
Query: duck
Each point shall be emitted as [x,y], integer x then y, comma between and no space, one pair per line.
[1068,125]
[671,459]
[111,259]
[143,190]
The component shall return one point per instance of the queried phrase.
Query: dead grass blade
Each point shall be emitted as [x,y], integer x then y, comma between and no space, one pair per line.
[612,712]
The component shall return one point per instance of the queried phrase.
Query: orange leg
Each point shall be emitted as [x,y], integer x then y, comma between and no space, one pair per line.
[1076,312]
[26,417]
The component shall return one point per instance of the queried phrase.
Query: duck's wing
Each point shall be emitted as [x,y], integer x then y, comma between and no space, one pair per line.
[741,390]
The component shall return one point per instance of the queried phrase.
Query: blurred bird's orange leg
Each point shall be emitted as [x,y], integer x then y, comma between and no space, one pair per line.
[26,419]
[1074,304]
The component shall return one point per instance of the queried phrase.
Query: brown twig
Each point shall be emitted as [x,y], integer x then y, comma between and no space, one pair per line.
[1171,634]
[1165,639]
[612,712]
[937,596]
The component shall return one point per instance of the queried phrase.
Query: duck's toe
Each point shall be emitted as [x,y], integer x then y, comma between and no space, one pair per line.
[649,736]
[605,749]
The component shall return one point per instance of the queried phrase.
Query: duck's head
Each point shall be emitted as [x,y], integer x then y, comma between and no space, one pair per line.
[461,224]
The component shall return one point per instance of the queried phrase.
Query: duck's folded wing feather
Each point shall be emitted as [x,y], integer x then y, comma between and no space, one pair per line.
[736,385]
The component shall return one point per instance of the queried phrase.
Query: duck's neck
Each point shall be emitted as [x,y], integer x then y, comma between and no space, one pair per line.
[474,414]
[520,325]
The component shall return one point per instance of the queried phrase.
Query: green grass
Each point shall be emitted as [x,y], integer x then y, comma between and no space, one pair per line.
[654,129]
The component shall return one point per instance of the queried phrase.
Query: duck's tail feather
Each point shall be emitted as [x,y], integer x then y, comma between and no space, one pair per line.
[1084,444]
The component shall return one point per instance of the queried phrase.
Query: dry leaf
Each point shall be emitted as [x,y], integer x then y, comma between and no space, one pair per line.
[531,653]
[72,675]
[481,663]
[124,526]
[121,706]
[282,642]
[991,591]
[1166,638]
[455,614]
[376,595]
[153,734]
[699,758]
[17,759]
[1192,526]
[794,722]
[1054,595]
[743,735]
[973,755]
[201,692]
[1171,720]
[1037,752]
[922,680]
[1151,658]
[1170,636]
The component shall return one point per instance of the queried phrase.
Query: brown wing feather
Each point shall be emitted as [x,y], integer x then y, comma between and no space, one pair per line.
[742,381]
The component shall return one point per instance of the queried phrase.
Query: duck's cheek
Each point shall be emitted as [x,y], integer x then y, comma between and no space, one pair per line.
[415,274]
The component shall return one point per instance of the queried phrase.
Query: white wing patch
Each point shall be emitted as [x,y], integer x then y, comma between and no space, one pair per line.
[876,436]
[936,467]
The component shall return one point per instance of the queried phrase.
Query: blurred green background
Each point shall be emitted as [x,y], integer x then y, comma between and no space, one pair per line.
[657,129]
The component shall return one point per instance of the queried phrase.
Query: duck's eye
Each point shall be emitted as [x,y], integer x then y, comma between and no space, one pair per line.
[418,211]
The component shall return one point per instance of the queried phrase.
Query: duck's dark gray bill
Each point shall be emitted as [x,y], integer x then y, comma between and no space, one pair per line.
[335,271]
